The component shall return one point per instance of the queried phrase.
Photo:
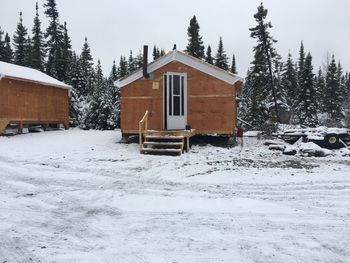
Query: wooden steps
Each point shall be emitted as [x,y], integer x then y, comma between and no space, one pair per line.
[163,144]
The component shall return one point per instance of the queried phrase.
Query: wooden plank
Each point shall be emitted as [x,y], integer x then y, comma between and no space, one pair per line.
[145,150]
[140,98]
[230,95]
[165,137]
[179,144]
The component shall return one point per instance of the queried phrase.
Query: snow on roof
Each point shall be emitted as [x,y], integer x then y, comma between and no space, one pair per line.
[183,58]
[12,71]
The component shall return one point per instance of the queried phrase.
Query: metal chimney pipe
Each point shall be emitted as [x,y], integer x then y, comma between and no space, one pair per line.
[145,62]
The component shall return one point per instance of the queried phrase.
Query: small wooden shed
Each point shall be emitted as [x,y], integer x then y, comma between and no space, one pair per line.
[179,90]
[28,96]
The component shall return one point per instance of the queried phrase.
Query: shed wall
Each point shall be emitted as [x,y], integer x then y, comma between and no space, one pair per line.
[28,102]
[211,102]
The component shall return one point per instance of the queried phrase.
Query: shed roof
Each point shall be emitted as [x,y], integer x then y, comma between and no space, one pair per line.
[12,71]
[183,58]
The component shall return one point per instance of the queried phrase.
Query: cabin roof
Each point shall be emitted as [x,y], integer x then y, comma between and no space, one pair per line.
[12,71]
[183,58]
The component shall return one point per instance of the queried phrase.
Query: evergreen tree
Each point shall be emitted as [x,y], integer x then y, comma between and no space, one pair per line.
[138,61]
[280,92]
[91,116]
[2,46]
[208,58]
[320,89]
[301,63]
[162,52]
[123,67]
[156,53]
[38,48]
[77,100]
[100,112]
[20,42]
[195,45]
[28,58]
[54,36]
[341,79]
[114,73]
[66,47]
[114,98]
[221,59]
[289,82]
[87,68]
[258,94]
[8,54]
[307,102]
[131,63]
[347,85]
[233,65]
[333,95]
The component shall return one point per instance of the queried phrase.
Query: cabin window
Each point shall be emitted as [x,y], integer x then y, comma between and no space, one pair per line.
[176,95]
[182,95]
[170,95]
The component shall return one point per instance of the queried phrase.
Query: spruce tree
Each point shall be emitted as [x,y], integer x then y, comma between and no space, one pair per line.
[138,61]
[123,67]
[221,59]
[195,45]
[257,93]
[156,53]
[20,42]
[114,74]
[320,90]
[162,52]
[54,36]
[114,98]
[77,100]
[280,92]
[301,63]
[307,100]
[289,82]
[38,47]
[66,48]
[28,59]
[208,58]
[233,65]
[92,115]
[333,95]
[347,86]
[341,79]
[87,68]
[131,63]
[8,54]
[2,46]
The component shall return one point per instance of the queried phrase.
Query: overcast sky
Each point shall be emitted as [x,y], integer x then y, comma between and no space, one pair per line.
[113,27]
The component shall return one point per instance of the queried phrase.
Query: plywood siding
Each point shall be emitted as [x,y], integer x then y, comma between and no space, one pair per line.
[30,102]
[211,102]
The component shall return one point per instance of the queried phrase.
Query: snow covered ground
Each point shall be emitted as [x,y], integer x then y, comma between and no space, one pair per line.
[78,196]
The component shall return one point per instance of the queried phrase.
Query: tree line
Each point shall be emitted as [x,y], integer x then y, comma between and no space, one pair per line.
[311,98]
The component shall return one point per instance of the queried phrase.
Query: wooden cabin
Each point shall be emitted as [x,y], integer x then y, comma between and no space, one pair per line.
[176,92]
[28,96]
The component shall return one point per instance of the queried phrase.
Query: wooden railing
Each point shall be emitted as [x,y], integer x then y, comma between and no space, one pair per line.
[143,126]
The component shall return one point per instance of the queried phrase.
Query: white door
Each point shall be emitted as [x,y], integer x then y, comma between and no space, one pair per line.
[175,103]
